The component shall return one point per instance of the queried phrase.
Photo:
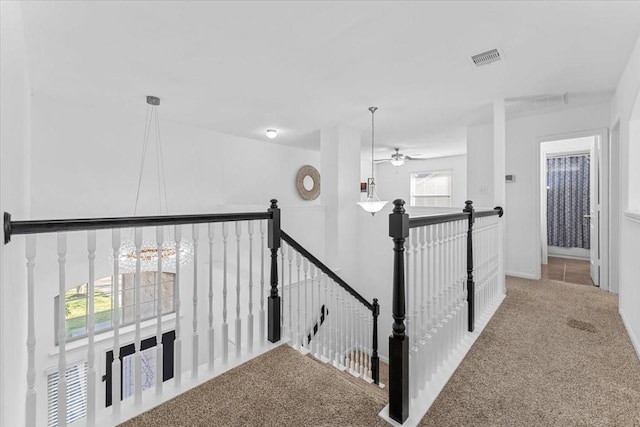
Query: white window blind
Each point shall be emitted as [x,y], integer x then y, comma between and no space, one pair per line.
[431,188]
[76,376]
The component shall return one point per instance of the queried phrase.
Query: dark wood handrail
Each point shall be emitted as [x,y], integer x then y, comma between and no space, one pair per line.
[421,221]
[56,225]
[326,270]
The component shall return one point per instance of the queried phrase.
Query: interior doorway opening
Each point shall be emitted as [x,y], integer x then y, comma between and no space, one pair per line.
[571,208]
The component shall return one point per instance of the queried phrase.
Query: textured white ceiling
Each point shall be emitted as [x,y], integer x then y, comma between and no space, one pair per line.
[242,67]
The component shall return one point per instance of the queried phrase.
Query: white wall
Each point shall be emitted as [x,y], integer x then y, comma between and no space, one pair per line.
[521,211]
[625,107]
[479,177]
[395,182]
[14,145]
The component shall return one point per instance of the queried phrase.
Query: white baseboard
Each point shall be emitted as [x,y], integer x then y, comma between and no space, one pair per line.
[522,275]
[634,340]
[384,359]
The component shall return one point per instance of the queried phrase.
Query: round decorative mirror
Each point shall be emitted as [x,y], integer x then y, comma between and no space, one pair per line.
[308,182]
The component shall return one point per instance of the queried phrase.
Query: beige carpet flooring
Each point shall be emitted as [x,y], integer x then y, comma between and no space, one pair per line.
[555,354]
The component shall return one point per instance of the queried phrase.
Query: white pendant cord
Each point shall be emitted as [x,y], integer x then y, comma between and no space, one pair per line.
[152,113]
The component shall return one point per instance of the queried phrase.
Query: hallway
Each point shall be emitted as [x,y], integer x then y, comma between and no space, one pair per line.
[554,354]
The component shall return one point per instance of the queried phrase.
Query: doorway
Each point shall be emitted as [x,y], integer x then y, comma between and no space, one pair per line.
[571,208]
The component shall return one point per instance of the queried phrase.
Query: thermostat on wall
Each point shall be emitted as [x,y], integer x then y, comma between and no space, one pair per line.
[510,178]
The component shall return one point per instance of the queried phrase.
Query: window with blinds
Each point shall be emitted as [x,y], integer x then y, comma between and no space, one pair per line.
[76,377]
[431,189]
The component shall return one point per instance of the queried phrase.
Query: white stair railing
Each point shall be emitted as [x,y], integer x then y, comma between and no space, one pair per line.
[145,320]
[333,322]
[437,300]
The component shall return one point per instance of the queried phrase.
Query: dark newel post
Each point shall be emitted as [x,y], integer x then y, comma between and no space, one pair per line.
[398,341]
[375,360]
[470,284]
[273,329]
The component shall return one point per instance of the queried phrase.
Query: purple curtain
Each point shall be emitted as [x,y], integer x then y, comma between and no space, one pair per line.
[568,201]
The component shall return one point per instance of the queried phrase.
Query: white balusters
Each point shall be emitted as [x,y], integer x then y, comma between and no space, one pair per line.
[211,330]
[159,347]
[225,326]
[283,250]
[298,341]
[177,357]
[250,315]
[116,366]
[305,341]
[31,397]
[138,356]
[263,225]
[290,299]
[195,234]
[91,354]
[415,366]
[424,361]
[238,320]
[317,309]
[348,348]
[62,332]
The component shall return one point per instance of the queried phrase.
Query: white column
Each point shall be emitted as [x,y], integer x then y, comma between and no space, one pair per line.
[340,169]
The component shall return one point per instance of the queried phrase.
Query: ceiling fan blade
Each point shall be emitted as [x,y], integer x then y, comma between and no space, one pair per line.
[414,158]
[382,160]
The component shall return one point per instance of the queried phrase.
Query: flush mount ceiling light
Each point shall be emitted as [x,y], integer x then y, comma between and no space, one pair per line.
[373,203]
[271,133]
[127,258]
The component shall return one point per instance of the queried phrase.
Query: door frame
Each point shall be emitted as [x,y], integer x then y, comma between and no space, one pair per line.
[603,137]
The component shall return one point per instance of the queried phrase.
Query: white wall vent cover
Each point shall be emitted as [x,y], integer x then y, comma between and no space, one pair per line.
[487,57]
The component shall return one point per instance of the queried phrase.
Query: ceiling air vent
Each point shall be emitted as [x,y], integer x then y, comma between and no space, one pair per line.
[487,57]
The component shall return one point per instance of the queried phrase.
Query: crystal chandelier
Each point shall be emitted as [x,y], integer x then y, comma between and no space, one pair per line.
[127,257]
[373,203]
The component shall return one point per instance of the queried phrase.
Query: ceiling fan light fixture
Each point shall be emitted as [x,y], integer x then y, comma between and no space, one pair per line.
[397,159]
[271,133]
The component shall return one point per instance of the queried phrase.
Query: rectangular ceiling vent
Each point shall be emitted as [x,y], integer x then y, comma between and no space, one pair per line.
[487,57]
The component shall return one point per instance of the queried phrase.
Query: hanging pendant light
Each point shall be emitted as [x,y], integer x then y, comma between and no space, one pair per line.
[373,203]
[127,257]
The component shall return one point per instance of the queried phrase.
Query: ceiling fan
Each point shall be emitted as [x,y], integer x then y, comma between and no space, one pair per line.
[398,159]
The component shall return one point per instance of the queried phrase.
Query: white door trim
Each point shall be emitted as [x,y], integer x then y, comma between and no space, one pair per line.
[603,135]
